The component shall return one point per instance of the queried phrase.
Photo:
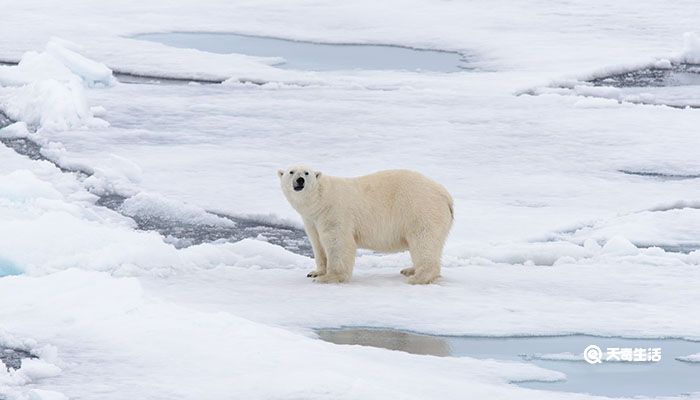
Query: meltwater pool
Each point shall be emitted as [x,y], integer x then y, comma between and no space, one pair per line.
[313,56]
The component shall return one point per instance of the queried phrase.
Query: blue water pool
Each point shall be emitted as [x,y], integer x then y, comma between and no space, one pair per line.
[669,376]
[312,56]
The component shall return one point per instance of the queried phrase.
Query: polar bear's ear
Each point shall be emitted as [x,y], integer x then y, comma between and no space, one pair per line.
[280,173]
[318,174]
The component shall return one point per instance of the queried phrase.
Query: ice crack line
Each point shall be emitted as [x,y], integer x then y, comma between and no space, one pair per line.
[176,231]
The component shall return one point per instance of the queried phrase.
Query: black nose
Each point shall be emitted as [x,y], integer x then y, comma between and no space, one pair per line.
[300,181]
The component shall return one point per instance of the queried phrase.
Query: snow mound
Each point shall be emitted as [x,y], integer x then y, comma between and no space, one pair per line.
[543,253]
[91,72]
[34,369]
[665,228]
[619,246]
[154,205]
[693,358]
[60,61]
[691,48]
[48,104]
[23,186]
[46,89]
[114,174]
[14,131]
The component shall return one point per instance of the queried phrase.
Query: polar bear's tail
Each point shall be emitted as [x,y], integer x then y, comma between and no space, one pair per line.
[450,204]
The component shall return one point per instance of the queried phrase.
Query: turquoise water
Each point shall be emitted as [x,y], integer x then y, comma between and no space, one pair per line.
[8,268]
[666,377]
[316,56]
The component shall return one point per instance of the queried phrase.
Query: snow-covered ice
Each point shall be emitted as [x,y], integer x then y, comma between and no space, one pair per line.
[552,233]
[693,358]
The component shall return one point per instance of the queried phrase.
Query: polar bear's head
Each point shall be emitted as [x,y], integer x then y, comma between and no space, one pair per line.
[299,181]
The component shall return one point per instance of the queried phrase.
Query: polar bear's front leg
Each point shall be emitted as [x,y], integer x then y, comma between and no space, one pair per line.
[340,250]
[319,252]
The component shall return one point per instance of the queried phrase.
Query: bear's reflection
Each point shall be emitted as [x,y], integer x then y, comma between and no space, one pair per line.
[389,339]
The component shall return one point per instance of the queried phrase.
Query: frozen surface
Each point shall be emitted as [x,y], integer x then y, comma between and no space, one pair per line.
[692,358]
[659,83]
[181,224]
[566,219]
[654,76]
[560,353]
[315,56]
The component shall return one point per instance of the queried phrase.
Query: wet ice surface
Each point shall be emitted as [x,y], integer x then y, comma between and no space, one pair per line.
[24,146]
[677,75]
[667,377]
[316,56]
[12,358]
[176,231]
[674,87]
[182,234]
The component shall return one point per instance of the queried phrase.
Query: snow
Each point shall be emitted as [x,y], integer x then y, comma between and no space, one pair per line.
[32,370]
[691,48]
[145,334]
[549,237]
[145,204]
[15,130]
[61,61]
[35,369]
[239,293]
[692,358]
[38,394]
[620,246]
[92,73]
[46,89]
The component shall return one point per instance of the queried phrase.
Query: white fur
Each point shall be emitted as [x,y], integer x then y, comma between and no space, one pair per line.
[388,211]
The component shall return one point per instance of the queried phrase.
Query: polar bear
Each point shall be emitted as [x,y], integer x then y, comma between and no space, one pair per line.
[388,211]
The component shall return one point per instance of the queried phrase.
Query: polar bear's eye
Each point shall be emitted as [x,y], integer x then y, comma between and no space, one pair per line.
[291,172]
[306,173]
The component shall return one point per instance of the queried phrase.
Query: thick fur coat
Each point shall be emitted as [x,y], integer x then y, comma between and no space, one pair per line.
[388,211]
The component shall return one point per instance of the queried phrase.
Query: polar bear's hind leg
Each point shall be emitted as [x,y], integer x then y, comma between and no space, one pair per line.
[426,252]
[427,267]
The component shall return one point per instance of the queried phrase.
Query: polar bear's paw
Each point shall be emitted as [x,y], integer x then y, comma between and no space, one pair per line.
[423,278]
[331,278]
[408,271]
[314,274]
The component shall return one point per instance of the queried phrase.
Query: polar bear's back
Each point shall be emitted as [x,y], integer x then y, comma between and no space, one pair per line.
[394,205]
[402,185]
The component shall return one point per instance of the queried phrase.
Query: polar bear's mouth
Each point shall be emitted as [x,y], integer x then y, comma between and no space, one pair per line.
[298,184]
